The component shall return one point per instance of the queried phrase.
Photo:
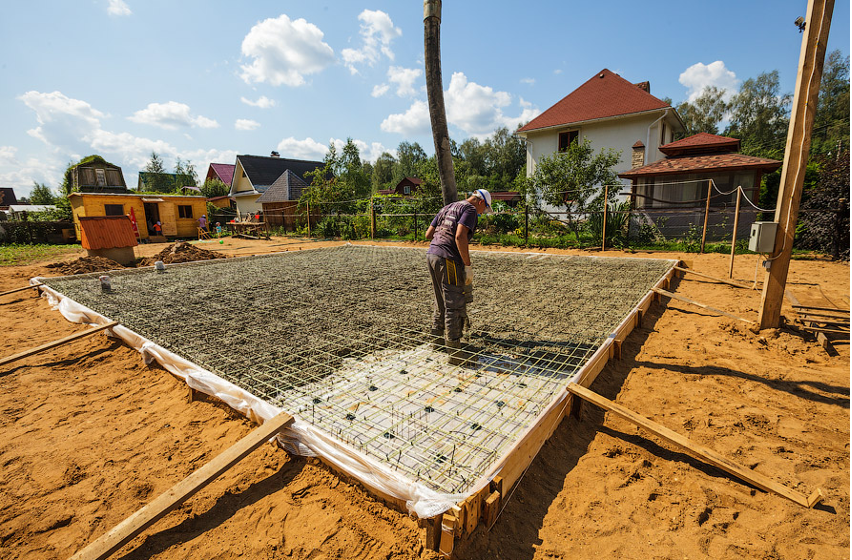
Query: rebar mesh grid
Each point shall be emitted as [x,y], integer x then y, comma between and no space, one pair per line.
[339,337]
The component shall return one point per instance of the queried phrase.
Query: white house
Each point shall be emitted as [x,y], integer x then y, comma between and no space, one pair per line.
[253,175]
[611,113]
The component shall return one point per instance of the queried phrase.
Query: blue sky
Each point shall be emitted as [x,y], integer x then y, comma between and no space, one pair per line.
[206,80]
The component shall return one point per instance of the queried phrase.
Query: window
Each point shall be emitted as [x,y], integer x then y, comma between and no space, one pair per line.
[113,209]
[565,139]
[184,211]
[406,189]
[662,133]
[101,177]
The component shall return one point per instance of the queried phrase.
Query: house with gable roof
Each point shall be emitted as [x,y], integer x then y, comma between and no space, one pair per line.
[672,192]
[281,200]
[254,175]
[610,112]
[221,171]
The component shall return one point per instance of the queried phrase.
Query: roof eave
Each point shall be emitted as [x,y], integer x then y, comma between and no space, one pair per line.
[523,133]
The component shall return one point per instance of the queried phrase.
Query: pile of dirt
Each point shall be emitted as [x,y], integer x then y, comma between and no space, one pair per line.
[181,252]
[85,265]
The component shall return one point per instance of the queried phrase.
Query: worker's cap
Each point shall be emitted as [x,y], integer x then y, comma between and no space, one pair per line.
[486,196]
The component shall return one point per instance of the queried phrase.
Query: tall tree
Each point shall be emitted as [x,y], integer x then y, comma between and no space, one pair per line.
[760,114]
[157,180]
[382,176]
[705,113]
[435,94]
[831,124]
[352,171]
[185,175]
[41,194]
[408,157]
[506,155]
[574,179]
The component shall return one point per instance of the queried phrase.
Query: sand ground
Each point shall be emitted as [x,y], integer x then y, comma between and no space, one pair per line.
[90,435]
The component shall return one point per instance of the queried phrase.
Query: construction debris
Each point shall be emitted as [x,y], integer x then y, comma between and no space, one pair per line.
[181,252]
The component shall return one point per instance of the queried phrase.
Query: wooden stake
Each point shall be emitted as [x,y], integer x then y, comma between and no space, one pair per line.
[701,305]
[31,286]
[818,21]
[56,343]
[125,531]
[603,241]
[707,276]
[696,450]
[734,236]
[706,213]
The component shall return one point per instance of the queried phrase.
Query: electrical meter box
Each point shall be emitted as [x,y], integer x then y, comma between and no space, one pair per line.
[762,238]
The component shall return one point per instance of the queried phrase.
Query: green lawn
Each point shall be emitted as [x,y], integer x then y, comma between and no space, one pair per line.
[14,255]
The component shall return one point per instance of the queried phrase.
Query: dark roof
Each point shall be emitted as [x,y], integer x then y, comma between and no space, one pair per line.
[702,142]
[263,171]
[702,163]
[412,180]
[7,197]
[225,171]
[287,187]
[605,95]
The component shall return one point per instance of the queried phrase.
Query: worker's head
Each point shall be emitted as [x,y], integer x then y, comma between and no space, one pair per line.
[482,200]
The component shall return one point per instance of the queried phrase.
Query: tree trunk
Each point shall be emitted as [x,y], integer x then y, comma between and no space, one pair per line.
[435,93]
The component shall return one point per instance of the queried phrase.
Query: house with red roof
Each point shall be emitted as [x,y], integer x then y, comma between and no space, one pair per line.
[672,192]
[221,171]
[610,112]
[407,186]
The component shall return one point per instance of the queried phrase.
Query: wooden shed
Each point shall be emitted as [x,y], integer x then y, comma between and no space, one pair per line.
[111,237]
[177,214]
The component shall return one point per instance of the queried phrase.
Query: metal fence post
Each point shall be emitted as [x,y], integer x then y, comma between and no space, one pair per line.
[415,223]
[372,218]
[603,229]
[526,224]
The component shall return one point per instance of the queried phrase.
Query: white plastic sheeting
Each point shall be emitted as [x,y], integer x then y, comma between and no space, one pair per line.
[299,438]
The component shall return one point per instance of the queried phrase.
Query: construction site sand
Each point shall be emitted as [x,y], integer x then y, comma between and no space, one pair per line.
[90,435]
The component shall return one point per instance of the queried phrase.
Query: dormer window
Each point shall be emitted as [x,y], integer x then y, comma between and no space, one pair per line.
[101,177]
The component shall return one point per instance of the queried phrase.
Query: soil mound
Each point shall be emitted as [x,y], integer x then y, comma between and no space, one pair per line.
[181,252]
[84,265]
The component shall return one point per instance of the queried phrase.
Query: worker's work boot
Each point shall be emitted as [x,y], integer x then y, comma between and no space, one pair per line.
[458,356]
[436,338]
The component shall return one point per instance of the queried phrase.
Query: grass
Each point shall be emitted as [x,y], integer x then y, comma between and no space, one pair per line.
[15,255]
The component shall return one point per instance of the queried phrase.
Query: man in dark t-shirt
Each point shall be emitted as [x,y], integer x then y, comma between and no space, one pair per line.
[448,257]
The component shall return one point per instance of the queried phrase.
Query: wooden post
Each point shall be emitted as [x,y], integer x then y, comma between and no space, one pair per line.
[705,454]
[16,290]
[706,213]
[56,343]
[818,21]
[308,204]
[526,224]
[372,218]
[125,531]
[603,235]
[415,224]
[734,235]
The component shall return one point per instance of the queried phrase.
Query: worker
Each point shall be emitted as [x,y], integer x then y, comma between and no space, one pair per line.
[202,223]
[448,258]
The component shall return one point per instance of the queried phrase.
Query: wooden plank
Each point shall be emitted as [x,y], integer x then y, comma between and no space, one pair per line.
[694,449]
[817,320]
[448,535]
[56,343]
[473,511]
[826,330]
[838,310]
[707,276]
[16,290]
[125,531]
[432,537]
[491,509]
[701,305]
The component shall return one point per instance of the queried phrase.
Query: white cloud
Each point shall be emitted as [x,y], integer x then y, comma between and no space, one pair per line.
[171,116]
[404,79]
[377,32]
[414,121]
[284,51]
[302,149]
[380,90]
[118,8]
[262,102]
[62,120]
[699,75]
[7,155]
[478,110]
[246,124]
[529,81]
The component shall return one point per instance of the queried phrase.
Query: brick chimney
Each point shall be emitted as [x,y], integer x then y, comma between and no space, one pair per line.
[638,159]
[644,86]
[274,154]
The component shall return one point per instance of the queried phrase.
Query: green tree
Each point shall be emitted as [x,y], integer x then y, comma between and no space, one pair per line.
[351,171]
[213,188]
[760,115]
[41,194]
[383,169]
[157,180]
[831,123]
[185,175]
[705,113]
[408,156]
[574,179]
[506,155]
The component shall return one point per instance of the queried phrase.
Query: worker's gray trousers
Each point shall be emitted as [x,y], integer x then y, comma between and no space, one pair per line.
[448,306]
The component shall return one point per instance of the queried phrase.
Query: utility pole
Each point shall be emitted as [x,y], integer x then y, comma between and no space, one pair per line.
[796,151]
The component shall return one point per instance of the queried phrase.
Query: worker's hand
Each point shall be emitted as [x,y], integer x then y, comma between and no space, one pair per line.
[468,275]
